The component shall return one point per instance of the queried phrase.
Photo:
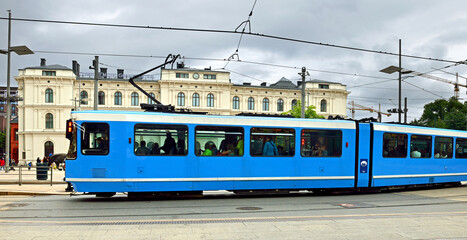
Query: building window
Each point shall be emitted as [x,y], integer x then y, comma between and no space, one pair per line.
[265,104]
[181,75]
[323,86]
[280,105]
[394,145]
[195,100]
[236,103]
[181,99]
[16,134]
[323,105]
[118,98]
[83,96]
[134,99]
[321,143]
[49,121]
[420,146]
[101,98]
[209,76]
[151,101]
[49,95]
[251,103]
[49,73]
[48,148]
[219,141]
[294,103]
[210,99]
[272,142]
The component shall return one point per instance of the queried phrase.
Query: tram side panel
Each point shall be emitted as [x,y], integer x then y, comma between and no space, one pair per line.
[121,168]
[408,156]
[363,162]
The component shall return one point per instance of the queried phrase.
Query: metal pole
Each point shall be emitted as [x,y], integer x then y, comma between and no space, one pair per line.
[20,174]
[405,110]
[96,79]
[353,110]
[379,112]
[8,103]
[51,175]
[400,81]
[303,92]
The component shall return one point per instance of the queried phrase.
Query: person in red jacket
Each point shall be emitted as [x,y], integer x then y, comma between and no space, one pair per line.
[2,164]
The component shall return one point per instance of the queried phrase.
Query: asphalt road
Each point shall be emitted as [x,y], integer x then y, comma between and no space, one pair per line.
[421,214]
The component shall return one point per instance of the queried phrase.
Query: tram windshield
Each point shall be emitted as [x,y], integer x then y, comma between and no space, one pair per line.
[72,150]
[95,139]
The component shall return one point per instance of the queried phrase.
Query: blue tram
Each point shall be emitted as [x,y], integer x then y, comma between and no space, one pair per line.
[148,152]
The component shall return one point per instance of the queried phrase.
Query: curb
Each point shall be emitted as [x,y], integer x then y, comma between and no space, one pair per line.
[13,193]
[44,182]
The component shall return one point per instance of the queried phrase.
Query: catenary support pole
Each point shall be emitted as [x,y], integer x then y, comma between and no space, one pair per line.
[399,110]
[96,81]
[405,110]
[303,93]
[8,103]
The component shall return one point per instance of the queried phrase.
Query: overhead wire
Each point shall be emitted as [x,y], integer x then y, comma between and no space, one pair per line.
[245,24]
[235,32]
[212,59]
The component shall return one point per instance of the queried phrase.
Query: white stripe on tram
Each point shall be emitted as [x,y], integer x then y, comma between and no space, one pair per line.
[420,175]
[205,179]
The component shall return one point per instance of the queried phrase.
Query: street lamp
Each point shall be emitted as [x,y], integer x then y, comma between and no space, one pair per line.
[392,69]
[20,50]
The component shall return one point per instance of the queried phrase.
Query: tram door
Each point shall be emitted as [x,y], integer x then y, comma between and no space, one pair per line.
[363,161]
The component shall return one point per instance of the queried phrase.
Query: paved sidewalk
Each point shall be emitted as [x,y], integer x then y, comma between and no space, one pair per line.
[10,182]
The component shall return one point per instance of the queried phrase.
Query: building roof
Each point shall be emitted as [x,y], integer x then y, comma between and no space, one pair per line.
[283,83]
[50,67]
[323,81]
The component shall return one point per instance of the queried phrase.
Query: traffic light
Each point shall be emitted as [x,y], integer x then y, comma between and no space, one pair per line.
[69,129]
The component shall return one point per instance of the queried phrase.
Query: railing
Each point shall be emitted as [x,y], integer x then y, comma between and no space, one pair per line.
[84,75]
[41,174]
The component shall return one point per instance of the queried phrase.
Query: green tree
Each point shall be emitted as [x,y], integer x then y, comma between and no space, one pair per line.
[310,112]
[443,113]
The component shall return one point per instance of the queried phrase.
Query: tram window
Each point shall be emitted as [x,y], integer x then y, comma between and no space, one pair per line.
[461,148]
[394,145]
[219,141]
[156,139]
[321,143]
[443,147]
[272,142]
[420,146]
[95,139]
[72,150]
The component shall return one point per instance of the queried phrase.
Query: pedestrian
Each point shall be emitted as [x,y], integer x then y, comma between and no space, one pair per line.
[2,164]
[29,165]
[11,165]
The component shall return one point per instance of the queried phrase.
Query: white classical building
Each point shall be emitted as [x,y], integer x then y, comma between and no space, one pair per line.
[50,92]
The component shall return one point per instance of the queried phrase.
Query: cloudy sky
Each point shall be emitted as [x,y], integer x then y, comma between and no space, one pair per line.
[429,28]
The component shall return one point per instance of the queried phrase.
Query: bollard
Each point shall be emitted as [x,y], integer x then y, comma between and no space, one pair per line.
[20,175]
[51,173]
